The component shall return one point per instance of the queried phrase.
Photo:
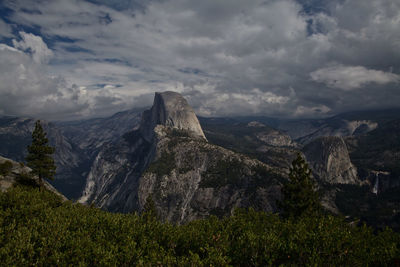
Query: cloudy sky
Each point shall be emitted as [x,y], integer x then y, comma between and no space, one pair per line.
[69,59]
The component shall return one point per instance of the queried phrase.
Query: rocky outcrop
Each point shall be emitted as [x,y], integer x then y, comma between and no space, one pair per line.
[275,138]
[329,161]
[12,172]
[172,110]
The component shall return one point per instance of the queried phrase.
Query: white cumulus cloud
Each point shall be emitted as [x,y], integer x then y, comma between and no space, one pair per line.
[27,88]
[213,52]
[352,77]
[35,46]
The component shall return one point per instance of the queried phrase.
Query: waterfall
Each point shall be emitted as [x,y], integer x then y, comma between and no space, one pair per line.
[376,186]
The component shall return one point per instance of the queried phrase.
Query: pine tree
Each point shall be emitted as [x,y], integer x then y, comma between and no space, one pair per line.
[150,210]
[298,195]
[39,155]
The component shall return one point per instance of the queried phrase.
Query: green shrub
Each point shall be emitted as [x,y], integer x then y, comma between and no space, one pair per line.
[37,228]
[223,172]
[174,132]
[5,167]
[163,165]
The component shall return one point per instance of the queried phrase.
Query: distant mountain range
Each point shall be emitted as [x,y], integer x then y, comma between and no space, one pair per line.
[192,168]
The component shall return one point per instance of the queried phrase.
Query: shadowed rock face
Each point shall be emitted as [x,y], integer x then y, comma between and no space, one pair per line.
[329,160]
[172,110]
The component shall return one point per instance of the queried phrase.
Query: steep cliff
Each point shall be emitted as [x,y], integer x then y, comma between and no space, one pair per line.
[329,161]
[113,180]
[172,110]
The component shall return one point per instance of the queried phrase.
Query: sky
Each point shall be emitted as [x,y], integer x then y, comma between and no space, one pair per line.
[75,59]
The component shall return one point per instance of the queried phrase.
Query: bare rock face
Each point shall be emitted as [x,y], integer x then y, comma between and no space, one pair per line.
[275,138]
[172,110]
[329,161]
[112,183]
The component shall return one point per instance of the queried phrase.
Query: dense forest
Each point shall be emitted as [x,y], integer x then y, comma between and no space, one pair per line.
[37,228]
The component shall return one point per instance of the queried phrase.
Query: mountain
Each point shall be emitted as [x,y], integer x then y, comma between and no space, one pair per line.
[252,138]
[345,124]
[377,158]
[195,167]
[377,155]
[329,161]
[76,144]
[91,134]
[169,160]
[171,110]
[357,171]
[191,179]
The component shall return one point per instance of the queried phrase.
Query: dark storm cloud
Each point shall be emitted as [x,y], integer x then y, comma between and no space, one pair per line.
[228,57]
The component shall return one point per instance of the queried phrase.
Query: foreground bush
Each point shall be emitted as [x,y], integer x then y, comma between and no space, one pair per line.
[36,228]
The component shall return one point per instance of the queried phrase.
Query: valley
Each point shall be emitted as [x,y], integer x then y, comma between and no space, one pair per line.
[115,163]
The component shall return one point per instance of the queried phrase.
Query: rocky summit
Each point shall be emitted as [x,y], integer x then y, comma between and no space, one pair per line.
[172,110]
[329,160]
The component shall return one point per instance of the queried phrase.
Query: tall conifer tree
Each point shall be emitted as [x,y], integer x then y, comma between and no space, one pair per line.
[298,195]
[39,155]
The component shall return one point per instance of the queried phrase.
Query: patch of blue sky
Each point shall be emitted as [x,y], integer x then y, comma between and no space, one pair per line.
[122,5]
[76,48]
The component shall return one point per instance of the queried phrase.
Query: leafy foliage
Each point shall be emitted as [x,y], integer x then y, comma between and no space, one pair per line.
[37,228]
[39,155]
[240,138]
[232,171]
[376,210]
[163,165]
[174,132]
[223,172]
[5,167]
[149,209]
[299,196]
